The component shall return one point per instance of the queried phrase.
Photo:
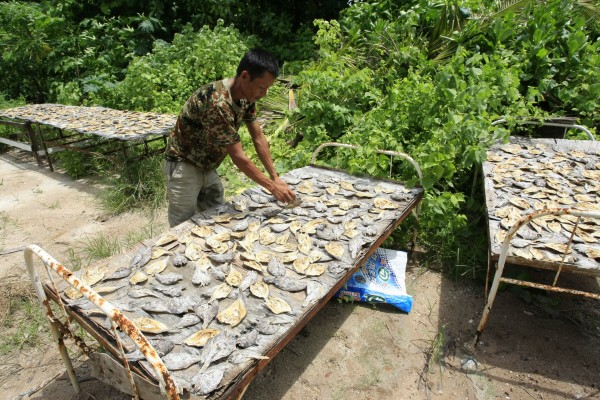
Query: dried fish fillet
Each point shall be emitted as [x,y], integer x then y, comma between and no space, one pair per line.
[277,305]
[149,325]
[200,338]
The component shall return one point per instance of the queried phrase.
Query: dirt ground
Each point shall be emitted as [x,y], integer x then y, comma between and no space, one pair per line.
[348,351]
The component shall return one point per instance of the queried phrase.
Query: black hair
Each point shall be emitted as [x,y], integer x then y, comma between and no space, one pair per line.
[257,62]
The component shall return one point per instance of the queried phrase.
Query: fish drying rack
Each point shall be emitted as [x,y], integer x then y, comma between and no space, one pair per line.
[106,319]
[542,200]
[99,131]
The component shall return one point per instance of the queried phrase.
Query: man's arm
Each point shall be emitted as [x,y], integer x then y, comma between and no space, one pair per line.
[262,148]
[278,188]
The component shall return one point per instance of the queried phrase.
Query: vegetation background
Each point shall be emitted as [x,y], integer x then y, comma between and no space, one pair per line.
[423,77]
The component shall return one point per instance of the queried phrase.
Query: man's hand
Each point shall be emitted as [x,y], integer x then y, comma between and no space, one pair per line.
[282,191]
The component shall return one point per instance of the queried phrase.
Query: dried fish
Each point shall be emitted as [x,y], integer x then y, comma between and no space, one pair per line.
[304,243]
[201,277]
[220,292]
[166,238]
[141,258]
[171,291]
[252,265]
[207,381]
[159,252]
[275,267]
[157,267]
[179,260]
[260,289]
[234,278]
[199,338]
[216,348]
[314,291]
[168,279]
[188,320]
[315,270]
[161,346]
[202,231]
[149,325]
[250,278]
[220,271]
[207,312]
[235,313]
[286,283]
[335,249]
[181,360]
[247,339]
[120,273]
[277,305]
[138,277]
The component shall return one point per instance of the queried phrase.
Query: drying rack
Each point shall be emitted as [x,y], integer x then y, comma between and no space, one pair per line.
[150,379]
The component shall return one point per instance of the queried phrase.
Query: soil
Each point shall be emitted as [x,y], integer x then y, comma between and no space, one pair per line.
[529,350]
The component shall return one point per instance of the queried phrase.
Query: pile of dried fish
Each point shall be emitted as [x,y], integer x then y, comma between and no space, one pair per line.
[528,176]
[106,122]
[223,287]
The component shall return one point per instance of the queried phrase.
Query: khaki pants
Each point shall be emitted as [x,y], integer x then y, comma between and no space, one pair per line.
[190,190]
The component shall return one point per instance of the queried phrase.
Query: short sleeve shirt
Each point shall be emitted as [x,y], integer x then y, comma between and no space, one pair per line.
[208,122]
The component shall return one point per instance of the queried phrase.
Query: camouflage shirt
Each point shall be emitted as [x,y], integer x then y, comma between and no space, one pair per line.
[208,122]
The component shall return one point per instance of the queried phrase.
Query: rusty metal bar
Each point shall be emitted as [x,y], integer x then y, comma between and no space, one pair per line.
[504,252]
[166,382]
[552,288]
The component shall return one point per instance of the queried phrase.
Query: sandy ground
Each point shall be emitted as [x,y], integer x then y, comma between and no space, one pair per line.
[348,351]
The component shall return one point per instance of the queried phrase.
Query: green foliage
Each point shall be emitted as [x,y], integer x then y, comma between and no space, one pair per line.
[134,185]
[162,80]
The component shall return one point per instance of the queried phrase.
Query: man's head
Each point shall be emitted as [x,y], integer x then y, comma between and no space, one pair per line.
[258,61]
[255,75]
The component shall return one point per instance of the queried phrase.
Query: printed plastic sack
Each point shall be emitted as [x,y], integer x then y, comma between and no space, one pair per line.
[380,280]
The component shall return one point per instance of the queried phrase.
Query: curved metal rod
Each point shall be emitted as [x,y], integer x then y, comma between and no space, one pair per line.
[387,152]
[166,381]
[559,124]
[504,252]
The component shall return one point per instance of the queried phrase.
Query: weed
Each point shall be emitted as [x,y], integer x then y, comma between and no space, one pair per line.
[100,246]
[151,229]
[75,260]
[136,184]
[27,322]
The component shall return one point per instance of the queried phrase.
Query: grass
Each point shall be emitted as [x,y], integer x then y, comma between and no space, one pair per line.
[21,316]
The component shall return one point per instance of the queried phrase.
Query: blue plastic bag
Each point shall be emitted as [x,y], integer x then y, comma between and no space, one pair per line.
[380,280]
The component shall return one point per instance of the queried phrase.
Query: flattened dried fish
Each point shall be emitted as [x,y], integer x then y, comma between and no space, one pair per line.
[201,277]
[220,271]
[161,346]
[168,279]
[247,339]
[207,312]
[157,267]
[250,278]
[188,320]
[235,313]
[335,249]
[179,361]
[166,238]
[138,277]
[286,283]
[171,291]
[275,267]
[315,270]
[206,382]
[234,278]
[137,293]
[277,305]
[141,258]
[199,338]
[252,265]
[216,348]
[149,325]
[222,258]
[179,260]
[158,252]
[260,289]
[220,292]
[314,291]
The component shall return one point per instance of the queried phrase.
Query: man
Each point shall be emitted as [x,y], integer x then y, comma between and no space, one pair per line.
[206,132]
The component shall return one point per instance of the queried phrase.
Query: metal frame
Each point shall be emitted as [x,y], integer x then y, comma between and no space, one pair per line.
[59,330]
[558,122]
[504,252]
[31,147]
